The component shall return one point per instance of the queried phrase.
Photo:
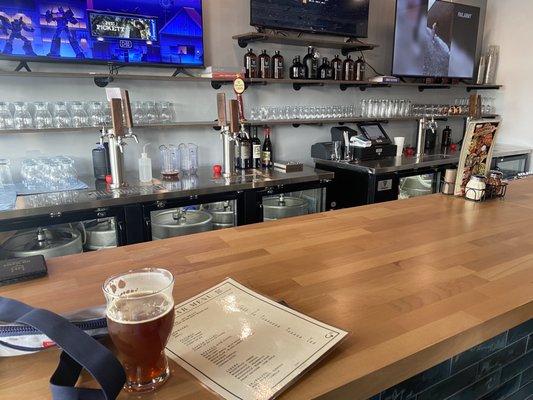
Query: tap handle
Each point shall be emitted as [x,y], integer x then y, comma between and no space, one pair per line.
[221,107]
[126,108]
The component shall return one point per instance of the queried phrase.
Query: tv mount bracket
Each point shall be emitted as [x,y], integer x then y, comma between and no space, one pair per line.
[103,81]
[23,65]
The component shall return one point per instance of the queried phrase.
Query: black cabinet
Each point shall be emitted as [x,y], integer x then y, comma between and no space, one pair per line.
[511,166]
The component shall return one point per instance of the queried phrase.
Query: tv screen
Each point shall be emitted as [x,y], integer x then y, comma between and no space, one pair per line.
[435,38]
[337,17]
[149,32]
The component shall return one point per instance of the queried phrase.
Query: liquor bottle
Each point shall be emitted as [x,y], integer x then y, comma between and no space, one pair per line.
[297,69]
[245,153]
[446,139]
[348,69]
[278,66]
[264,65]
[360,68]
[250,64]
[311,64]
[256,149]
[266,154]
[336,65]
[325,71]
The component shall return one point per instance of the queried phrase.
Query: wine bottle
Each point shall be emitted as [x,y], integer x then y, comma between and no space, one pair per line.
[311,64]
[250,64]
[278,66]
[266,154]
[245,153]
[348,68]
[256,149]
[264,65]
[336,65]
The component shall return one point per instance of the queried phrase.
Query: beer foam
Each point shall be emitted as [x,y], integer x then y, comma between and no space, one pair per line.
[139,308]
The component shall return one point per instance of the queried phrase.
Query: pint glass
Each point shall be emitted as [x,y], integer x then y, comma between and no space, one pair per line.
[140,316]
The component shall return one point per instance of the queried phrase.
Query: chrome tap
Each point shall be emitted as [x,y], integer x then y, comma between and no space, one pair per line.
[228,134]
[423,125]
[116,137]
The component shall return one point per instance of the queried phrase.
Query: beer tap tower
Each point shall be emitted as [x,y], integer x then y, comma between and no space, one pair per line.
[228,133]
[122,129]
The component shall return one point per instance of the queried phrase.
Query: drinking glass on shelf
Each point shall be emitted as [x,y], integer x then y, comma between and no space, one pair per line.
[383,105]
[22,118]
[254,114]
[151,115]
[29,173]
[6,116]
[95,111]
[165,110]
[79,117]
[364,108]
[61,116]
[6,178]
[139,114]
[42,117]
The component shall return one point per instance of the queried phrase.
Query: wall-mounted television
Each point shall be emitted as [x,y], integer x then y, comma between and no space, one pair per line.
[335,17]
[435,38]
[121,32]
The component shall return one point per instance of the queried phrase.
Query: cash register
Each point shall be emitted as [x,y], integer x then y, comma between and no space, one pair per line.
[371,142]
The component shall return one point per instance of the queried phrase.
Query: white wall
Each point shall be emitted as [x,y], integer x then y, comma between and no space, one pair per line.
[223,18]
[509,25]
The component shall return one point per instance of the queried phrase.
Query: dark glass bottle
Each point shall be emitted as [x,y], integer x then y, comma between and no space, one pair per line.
[310,64]
[336,66]
[245,153]
[238,151]
[348,69]
[264,65]
[256,150]
[446,141]
[431,141]
[360,68]
[325,71]
[266,154]
[250,64]
[278,66]
[297,69]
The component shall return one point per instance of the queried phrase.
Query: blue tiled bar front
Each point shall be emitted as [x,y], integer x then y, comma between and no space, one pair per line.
[499,369]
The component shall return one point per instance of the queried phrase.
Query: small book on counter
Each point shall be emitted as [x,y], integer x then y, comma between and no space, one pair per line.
[22,269]
[288,166]
[242,345]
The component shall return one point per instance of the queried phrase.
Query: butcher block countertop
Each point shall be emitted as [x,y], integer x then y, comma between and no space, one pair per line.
[415,282]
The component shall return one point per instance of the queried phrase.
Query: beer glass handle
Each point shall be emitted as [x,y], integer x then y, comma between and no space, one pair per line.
[79,351]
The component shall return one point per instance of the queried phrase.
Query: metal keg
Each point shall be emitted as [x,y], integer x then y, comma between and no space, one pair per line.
[283,207]
[100,234]
[223,214]
[180,222]
[49,242]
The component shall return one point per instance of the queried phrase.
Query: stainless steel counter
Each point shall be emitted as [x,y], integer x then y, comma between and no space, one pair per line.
[394,164]
[201,184]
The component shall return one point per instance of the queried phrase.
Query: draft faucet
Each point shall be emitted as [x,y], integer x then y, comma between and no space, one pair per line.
[116,136]
[423,125]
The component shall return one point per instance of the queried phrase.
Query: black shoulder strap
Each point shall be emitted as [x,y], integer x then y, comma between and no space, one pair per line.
[79,351]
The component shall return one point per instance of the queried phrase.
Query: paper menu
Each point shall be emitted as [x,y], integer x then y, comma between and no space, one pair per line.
[245,346]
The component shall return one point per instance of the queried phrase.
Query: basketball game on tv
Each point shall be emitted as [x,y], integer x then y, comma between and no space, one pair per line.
[168,32]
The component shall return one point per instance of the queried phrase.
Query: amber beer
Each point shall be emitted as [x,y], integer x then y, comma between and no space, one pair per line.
[140,317]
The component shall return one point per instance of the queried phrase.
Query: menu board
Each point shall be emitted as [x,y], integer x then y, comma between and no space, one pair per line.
[245,346]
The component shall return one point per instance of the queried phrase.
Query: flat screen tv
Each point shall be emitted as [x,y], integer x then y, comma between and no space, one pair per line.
[336,17]
[122,32]
[435,38]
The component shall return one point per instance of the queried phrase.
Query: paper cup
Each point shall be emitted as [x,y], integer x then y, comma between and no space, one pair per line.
[400,142]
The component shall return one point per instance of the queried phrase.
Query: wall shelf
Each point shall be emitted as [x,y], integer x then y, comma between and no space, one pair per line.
[214,124]
[346,47]
[297,84]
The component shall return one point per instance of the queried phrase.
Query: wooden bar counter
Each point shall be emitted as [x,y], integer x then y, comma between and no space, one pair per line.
[415,282]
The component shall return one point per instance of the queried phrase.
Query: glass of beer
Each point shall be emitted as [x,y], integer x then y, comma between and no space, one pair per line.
[140,316]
